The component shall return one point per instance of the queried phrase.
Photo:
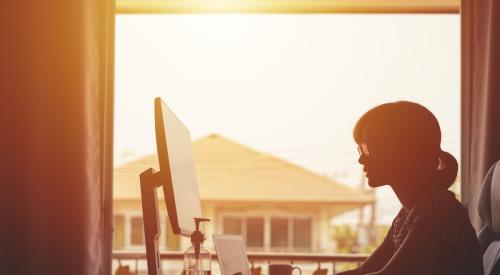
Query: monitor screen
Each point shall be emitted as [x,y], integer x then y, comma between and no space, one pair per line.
[177,170]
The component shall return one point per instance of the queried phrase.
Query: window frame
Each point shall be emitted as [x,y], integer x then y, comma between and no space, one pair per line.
[128,237]
[243,218]
[267,228]
[291,6]
[127,230]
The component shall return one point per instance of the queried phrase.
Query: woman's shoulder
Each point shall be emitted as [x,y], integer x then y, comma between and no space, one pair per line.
[440,208]
[445,217]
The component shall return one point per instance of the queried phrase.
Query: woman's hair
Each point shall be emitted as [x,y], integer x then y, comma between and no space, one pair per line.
[413,126]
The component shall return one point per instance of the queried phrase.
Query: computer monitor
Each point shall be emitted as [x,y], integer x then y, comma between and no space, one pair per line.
[177,170]
[177,176]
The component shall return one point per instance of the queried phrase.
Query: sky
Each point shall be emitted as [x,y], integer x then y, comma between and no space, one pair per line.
[289,85]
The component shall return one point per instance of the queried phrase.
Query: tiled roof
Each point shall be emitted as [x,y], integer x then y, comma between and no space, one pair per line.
[228,171]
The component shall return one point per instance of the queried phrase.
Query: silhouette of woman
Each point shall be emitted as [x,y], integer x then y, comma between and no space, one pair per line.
[399,146]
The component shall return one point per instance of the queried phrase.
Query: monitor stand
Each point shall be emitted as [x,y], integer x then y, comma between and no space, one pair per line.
[150,180]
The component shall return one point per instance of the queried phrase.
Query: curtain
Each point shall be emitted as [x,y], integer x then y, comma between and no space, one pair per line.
[56,107]
[480,96]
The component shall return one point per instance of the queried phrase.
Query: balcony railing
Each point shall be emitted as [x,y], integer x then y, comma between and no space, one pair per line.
[329,261]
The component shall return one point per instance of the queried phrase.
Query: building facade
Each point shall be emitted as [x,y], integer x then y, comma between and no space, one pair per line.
[273,204]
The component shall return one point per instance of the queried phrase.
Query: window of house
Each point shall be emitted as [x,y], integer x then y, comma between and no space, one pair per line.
[301,233]
[173,242]
[250,228]
[291,233]
[136,231]
[128,233]
[232,226]
[279,232]
[283,232]
[118,231]
[255,232]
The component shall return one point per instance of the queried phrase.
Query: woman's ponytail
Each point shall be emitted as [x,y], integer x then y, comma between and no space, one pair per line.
[447,170]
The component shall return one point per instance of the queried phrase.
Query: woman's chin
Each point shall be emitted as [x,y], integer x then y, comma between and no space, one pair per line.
[374,182]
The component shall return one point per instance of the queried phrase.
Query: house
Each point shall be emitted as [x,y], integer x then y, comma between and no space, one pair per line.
[273,204]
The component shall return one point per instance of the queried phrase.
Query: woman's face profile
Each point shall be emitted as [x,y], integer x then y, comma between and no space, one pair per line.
[382,162]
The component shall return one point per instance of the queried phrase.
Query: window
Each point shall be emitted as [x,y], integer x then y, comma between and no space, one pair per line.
[137,231]
[243,75]
[173,241]
[232,226]
[128,232]
[118,231]
[279,232]
[283,233]
[291,233]
[251,228]
[255,232]
[301,233]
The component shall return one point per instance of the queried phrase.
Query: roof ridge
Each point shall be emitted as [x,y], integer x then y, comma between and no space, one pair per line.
[280,160]
[245,174]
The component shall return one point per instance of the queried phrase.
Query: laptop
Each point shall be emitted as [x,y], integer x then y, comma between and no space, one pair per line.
[231,254]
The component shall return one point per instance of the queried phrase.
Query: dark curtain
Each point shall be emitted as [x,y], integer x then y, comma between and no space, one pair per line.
[480,96]
[56,106]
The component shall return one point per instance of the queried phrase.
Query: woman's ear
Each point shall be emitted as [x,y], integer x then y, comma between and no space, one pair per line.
[439,164]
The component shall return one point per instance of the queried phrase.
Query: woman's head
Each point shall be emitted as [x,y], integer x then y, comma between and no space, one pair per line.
[400,140]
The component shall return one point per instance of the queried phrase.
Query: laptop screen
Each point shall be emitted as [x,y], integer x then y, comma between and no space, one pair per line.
[231,254]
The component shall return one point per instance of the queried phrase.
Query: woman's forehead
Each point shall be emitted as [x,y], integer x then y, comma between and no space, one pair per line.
[372,135]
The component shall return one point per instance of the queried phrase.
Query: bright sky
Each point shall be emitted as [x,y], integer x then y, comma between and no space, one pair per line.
[290,85]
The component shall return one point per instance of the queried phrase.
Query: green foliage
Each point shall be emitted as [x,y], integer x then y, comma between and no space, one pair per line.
[346,238]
